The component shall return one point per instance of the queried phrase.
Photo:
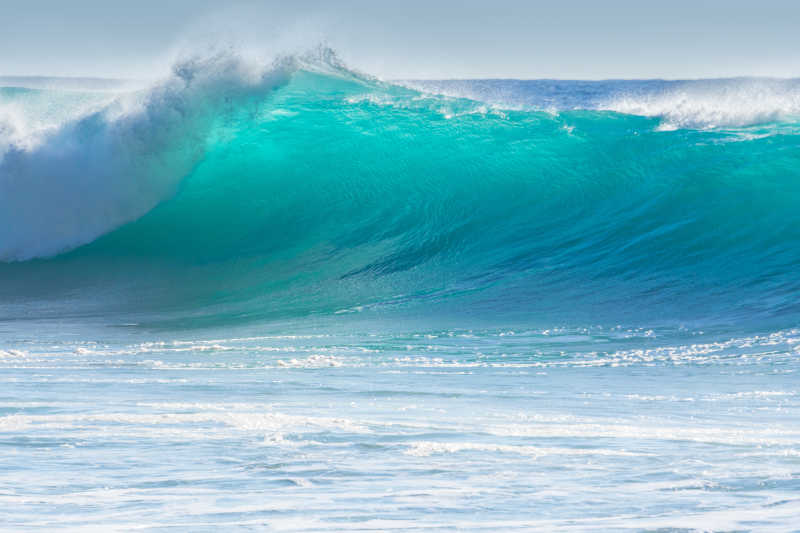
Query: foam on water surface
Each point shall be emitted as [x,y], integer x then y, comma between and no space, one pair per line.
[282,295]
[193,434]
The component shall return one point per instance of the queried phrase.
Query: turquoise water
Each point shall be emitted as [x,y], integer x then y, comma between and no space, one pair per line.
[292,297]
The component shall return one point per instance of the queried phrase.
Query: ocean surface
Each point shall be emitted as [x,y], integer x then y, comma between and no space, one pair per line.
[287,296]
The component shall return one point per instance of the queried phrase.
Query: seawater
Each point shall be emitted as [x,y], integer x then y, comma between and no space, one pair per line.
[292,297]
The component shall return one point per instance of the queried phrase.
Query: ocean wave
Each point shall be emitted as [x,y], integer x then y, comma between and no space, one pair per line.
[680,104]
[243,190]
[63,185]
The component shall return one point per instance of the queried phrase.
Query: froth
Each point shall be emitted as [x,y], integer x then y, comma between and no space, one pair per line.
[715,103]
[64,185]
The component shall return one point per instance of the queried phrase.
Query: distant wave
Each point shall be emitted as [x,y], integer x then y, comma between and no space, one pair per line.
[717,103]
[300,186]
[694,104]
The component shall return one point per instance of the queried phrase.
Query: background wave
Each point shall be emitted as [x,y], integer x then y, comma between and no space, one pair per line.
[689,104]
[233,192]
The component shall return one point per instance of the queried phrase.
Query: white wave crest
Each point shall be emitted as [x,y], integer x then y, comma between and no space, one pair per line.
[64,185]
[710,104]
[689,104]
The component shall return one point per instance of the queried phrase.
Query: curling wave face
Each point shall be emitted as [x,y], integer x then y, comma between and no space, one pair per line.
[66,184]
[234,191]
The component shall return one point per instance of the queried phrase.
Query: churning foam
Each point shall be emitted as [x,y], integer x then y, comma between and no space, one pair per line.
[64,185]
[707,104]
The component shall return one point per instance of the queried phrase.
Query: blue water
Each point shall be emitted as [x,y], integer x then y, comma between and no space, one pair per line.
[293,297]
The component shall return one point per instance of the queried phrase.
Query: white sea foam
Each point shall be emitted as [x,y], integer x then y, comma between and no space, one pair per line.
[15,354]
[312,361]
[424,449]
[63,185]
[735,436]
[185,424]
[714,103]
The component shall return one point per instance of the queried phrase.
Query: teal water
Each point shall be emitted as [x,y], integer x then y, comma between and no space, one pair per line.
[296,298]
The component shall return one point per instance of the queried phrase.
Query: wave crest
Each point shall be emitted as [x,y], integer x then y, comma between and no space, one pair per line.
[64,185]
[715,103]
[689,104]
[310,188]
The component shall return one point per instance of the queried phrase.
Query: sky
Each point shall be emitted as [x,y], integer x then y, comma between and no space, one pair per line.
[567,39]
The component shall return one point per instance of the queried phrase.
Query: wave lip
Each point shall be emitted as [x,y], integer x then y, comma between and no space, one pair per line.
[65,185]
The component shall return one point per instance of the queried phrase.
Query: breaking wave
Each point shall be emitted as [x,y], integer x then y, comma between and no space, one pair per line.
[239,190]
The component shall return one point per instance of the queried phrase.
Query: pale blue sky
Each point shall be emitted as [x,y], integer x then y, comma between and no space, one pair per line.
[580,39]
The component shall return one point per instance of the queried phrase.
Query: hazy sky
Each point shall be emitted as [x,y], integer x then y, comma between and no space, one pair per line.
[414,39]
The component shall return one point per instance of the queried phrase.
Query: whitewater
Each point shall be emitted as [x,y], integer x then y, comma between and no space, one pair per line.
[286,295]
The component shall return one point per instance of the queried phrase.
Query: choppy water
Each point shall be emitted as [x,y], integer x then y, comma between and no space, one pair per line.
[296,298]
[563,429]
